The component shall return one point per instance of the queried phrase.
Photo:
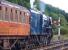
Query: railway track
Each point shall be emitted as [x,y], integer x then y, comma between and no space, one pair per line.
[55,45]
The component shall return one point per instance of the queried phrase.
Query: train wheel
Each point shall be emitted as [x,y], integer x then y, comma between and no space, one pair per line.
[42,40]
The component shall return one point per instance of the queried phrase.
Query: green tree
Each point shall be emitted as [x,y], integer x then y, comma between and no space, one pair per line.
[25,3]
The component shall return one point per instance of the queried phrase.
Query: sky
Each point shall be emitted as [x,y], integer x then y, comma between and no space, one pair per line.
[62,4]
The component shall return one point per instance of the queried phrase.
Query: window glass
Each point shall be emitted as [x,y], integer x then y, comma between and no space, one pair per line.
[27,17]
[0,7]
[0,13]
[23,18]
[6,14]
[11,15]
[20,17]
[16,16]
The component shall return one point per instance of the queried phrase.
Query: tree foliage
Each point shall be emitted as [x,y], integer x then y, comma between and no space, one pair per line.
[24,3]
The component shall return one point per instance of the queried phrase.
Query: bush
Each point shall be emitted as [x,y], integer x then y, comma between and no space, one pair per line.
[64,30]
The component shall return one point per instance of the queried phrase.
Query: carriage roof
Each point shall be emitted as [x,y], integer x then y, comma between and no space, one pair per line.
[21,8]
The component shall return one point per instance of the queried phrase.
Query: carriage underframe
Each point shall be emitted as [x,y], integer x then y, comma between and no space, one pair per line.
[23,42]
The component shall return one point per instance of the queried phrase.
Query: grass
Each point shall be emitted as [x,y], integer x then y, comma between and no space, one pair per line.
[62,37]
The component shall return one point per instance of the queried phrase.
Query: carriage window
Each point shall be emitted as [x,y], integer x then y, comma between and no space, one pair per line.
[20,13]
[1,13]
[23,18]
[0,7]
[20,17]
[16,16]
[27,17]
[6,14]
[11,15]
